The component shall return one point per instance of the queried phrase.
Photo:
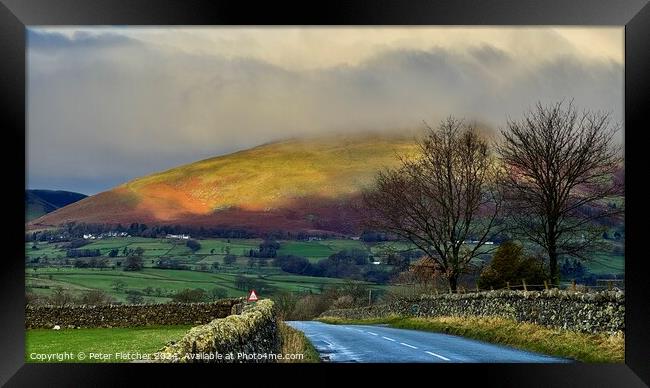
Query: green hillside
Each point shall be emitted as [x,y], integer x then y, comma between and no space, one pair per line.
[298,184]
[41,202]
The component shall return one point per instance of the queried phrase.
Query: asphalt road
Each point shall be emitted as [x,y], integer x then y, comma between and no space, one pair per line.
[377,343]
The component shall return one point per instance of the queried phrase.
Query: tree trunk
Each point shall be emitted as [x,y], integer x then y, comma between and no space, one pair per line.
[453,282]
[552,260]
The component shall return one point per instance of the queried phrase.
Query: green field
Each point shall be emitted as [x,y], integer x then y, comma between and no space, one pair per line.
[601,264]
[317,250]
[158,285]
[76,281]
[98,344]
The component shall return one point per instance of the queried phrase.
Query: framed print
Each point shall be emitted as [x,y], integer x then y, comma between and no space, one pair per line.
[431,189]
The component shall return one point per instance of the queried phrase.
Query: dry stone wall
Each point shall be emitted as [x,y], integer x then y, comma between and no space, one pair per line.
[128,315]
[250,337]
[586,312]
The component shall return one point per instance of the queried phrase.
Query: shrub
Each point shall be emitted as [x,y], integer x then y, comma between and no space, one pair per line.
[285,303]
[193,245]
[95,298]
[294,264]
[268,249]
[61,297]
[218,293]
[338,266]
[509,264]
[189,296]
[133,263]
[343,302]
[170,264]
[307,308]
[229,259]
[376,275]
[118,285]
[134,297]
[355,256]
[35,299]
[83,253]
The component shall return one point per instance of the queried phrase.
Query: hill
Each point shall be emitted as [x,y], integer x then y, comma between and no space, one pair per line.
[41,202]
[293,185]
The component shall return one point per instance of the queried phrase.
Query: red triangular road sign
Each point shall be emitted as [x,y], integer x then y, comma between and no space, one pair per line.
[252,297]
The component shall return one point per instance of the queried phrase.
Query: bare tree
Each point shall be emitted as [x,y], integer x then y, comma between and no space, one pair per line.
[561,170]
[441,198]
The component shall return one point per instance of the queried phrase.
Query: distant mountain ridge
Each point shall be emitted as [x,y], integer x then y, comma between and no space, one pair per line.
[293,185]
[41,202]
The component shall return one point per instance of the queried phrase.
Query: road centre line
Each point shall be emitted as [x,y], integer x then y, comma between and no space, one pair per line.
[410,346]
[370,332]
[437,355]
[390,339]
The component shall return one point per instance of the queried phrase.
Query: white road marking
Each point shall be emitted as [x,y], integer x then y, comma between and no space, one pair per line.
[410,346]
[390,339]
[370,332]
[328,344]
[437,355]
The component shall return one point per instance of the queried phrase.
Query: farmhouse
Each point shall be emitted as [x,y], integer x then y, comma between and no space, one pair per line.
[179,236]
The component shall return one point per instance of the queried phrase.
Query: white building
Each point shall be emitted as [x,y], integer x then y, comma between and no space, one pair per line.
[179,236]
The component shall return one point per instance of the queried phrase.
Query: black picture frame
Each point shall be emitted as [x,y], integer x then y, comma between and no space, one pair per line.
[15,15]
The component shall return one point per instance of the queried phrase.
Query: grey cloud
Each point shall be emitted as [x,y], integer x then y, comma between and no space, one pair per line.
[119,111]
[46,41]
[489,55]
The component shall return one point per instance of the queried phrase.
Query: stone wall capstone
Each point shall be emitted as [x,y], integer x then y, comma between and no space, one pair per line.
[247,337]
[128,315]
[587,312]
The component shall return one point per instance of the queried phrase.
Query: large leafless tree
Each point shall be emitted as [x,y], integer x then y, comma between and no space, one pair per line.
[560,177]
[441,198]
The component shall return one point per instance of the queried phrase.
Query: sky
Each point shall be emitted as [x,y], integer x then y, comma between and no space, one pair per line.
[109,104]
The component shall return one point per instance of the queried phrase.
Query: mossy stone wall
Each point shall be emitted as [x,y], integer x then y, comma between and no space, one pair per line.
[587,312]
[251,336]
[128,315]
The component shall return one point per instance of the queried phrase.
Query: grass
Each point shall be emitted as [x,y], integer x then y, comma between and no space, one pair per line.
[215,248]
[237,246]
[307,167]
[605,263]
[295,342]
[76,281]
[143,340]
[599,348]
[104,345]
[44,280]
[312,249]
